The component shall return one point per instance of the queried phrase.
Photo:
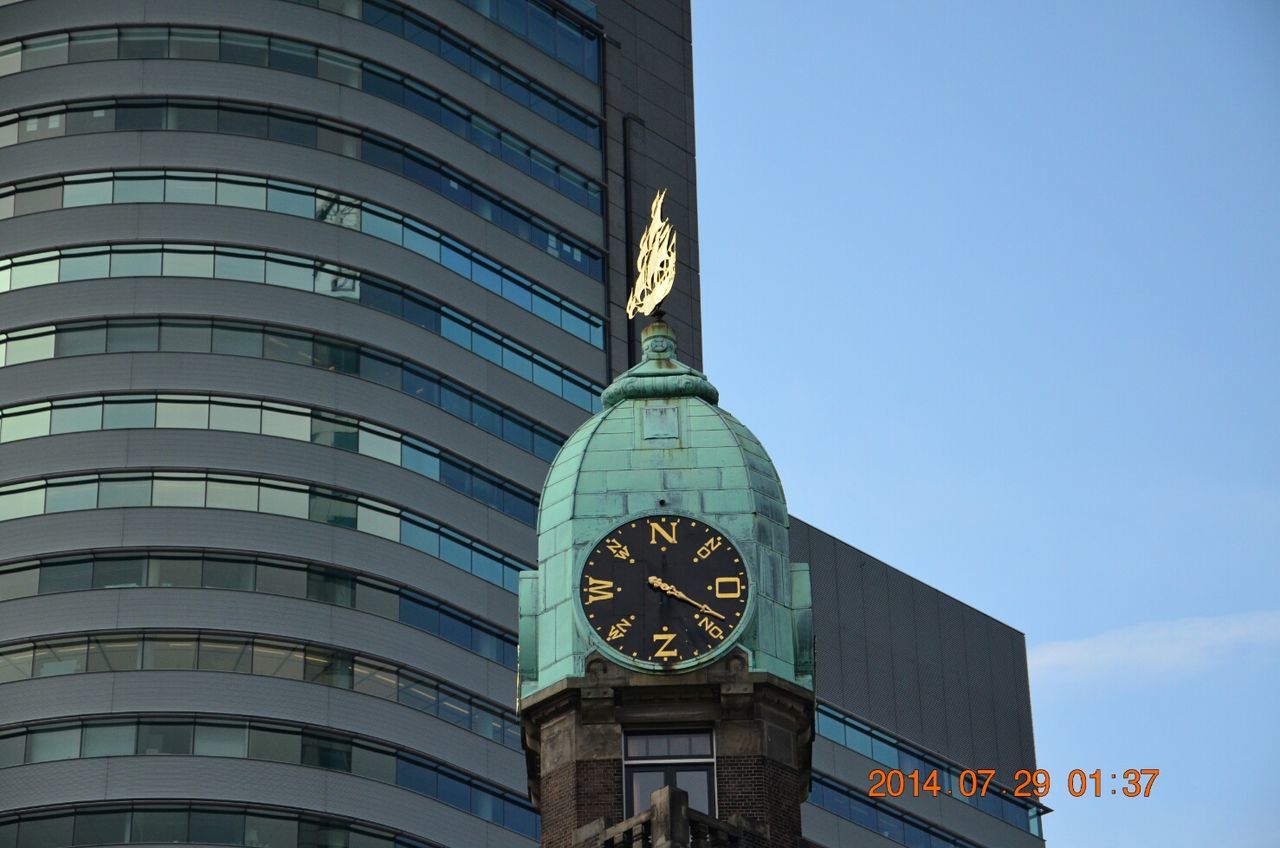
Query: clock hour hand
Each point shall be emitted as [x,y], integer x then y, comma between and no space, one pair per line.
[662,586]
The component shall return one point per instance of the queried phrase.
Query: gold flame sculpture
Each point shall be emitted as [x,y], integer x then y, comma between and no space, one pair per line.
[656,262]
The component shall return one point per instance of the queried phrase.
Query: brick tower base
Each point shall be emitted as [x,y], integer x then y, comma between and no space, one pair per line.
[762,726]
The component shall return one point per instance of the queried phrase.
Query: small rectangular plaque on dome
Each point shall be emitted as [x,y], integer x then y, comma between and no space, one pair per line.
[661,422]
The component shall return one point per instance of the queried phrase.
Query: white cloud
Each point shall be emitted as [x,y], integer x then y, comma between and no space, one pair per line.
[1155,649]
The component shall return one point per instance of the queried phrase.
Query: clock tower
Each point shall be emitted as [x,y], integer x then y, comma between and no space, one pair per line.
[666,638]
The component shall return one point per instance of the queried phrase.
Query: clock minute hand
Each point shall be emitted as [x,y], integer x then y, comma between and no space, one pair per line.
[660,585]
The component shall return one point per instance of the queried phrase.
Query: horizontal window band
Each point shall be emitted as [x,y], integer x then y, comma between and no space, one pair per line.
[232,263]
[284,344]
[545,27]
[263,656]
[894,753]
[248,48]
[578,45]
[246,191]
[253,120]
[230,413]
[258,826]
[172,568]
[208,735]
[264,495]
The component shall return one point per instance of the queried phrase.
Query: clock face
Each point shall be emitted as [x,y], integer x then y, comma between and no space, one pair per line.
[664,589]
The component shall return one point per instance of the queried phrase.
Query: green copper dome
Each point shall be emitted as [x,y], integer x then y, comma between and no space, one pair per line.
[662,445]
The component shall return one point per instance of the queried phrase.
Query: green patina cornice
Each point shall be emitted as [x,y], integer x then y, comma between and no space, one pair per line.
[659,374]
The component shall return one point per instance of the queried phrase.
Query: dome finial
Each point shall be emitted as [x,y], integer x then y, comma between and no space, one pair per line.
[659,373]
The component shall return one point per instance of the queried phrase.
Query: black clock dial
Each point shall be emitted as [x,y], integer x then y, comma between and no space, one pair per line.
[664,589]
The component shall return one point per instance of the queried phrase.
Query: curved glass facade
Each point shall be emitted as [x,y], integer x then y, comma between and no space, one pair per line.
[440,187]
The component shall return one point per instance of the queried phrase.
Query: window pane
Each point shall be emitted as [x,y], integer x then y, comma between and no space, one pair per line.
[26,425]
[327,753]
[232,494]
[225,654]
[169,652]
[76,417]
[216,826]
[110,740]
[229,574]
[144,43]
[15,664]
[374,679]
[101,828]
[118,492]
[331,587]
[329,668]
[224,415]
[237,339]
[244,48]
[192,336]
[168,572]
[159,826]
[190,414]
[45,832]
[59,743]
[242,192]
[164,737]
[118,573]
[278,580]
[129,336]
[287,422]
[181,187]
[278,745]
[194,44]
[126,411]
[139,187]
[115,653]
[374,764]
[91,45]
[55,658]
[272,832]
[19,583]
[178,492]
[221,740]
[188,263]
[278,659]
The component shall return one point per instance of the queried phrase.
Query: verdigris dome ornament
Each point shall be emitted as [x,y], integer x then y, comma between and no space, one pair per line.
[661,466]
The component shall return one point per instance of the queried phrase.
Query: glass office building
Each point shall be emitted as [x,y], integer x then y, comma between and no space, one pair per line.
[297,301]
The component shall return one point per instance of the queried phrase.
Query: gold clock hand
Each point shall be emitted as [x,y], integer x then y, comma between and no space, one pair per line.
[660,585]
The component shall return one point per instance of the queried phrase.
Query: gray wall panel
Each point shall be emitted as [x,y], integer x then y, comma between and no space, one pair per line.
[182,78]
[915,661]
[276,457]
[978,649]
[956,683]
[268,534]
[877,617]
[274,381]
[121,297]
[906,673]
[216,693]
[933,701]
[252,782]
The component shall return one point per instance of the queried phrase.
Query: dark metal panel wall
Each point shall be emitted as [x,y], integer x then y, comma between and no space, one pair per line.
[906,657]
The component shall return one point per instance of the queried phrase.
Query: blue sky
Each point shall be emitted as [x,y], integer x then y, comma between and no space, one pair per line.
[1019,263]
